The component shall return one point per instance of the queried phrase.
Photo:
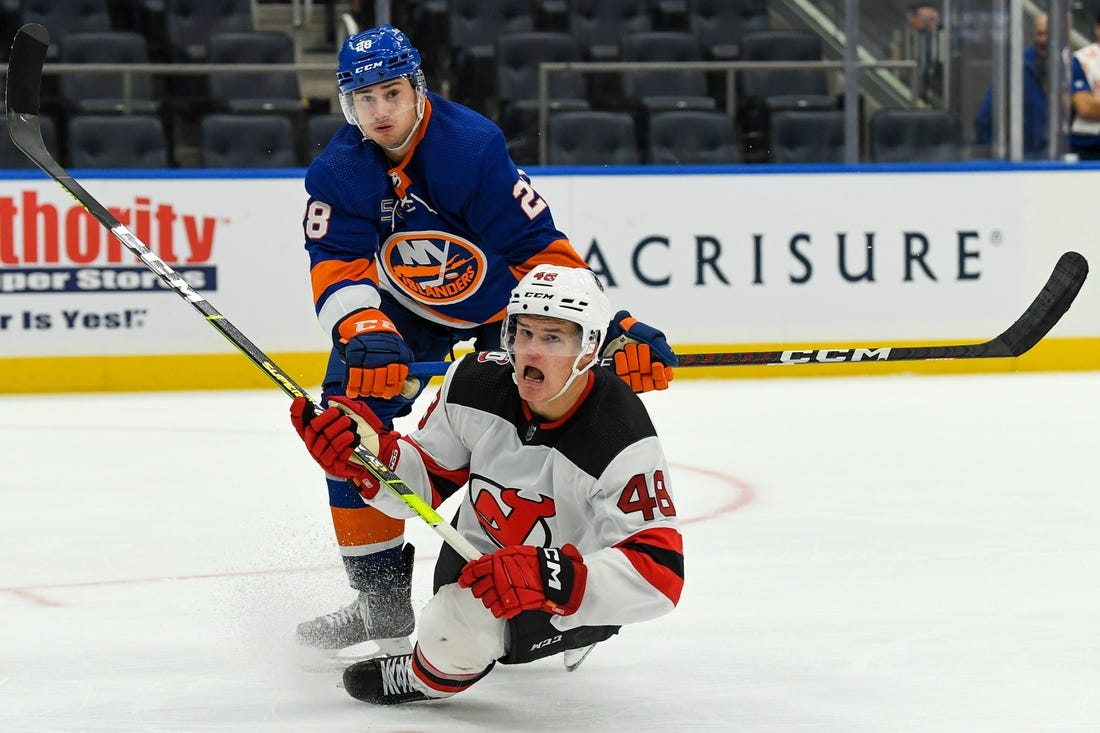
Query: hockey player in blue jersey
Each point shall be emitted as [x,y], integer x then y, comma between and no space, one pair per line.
[418,226]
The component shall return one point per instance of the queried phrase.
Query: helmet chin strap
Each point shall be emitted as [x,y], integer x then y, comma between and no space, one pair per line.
[574,372]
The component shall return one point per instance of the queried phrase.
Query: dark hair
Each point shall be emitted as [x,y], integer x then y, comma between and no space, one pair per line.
[1098,17]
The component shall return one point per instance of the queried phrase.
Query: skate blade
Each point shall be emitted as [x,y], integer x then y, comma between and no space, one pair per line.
[573,657]
[312,659]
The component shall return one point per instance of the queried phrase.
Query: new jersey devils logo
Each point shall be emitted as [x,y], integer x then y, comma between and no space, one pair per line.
[509,516]
[433,268]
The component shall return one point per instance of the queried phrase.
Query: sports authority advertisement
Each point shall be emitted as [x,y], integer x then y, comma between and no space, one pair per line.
[68,287]
[721,259]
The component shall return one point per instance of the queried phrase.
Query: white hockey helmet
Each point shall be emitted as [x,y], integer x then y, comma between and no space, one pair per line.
[569,293]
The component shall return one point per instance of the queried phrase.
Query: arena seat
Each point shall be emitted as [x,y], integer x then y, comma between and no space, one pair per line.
[117,141]
[807,136]
[701,137]
[246,141]
[915,135]
[592,137]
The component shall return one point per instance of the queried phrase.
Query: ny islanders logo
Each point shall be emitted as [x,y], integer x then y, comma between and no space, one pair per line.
[433,268]
[511,516]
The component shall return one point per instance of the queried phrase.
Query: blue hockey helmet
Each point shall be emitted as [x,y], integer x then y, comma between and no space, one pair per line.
[377,55]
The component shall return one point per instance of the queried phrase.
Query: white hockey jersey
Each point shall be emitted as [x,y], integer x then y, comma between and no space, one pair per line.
[597,478]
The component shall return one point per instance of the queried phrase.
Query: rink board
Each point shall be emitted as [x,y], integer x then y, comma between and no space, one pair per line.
[722,259]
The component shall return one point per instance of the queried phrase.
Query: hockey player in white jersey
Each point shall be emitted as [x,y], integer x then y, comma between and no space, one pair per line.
[564,488]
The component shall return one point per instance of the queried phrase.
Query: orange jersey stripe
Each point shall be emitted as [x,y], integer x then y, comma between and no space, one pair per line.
[365,526]
[559,252]
[324,274]
[398,170]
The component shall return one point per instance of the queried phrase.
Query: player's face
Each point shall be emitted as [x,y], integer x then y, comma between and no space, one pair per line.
[545,349]
[386,111]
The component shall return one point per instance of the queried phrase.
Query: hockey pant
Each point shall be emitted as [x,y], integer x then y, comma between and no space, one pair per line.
[459,640]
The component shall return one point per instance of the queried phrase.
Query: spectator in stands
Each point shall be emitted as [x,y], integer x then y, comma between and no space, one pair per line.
[1035,98]
[924,18]
[925,24]
[1084,138]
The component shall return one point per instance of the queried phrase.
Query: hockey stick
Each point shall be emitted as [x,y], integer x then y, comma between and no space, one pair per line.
[1048,307]
[28,53]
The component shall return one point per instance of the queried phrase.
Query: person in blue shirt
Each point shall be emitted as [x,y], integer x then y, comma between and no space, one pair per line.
[1035,98]
[1084,129]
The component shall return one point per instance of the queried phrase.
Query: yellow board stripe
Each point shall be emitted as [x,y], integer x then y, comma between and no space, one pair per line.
[160,373]
[170,373]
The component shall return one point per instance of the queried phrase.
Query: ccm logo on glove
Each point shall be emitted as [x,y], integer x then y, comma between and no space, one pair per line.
[375,356]
[525,578]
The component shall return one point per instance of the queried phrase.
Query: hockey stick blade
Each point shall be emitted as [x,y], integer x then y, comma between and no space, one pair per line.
[1044,312]
[1048,307]
[28,54]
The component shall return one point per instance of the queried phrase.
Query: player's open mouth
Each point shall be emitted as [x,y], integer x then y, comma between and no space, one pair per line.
[532,374]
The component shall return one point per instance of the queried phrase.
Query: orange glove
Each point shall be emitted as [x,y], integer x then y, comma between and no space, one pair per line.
[642,356]
[636,367]
[376,357]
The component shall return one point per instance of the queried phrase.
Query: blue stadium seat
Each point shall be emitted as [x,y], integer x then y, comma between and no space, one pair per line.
[117,141]
[915,135]
[190,23]
[246,141]
[473,29]
[269,91]
[12,157]
[319,131]
[62,17]
[518,58]
[700,137]
[807,136]
[665,89]
[97,93]
[592,137]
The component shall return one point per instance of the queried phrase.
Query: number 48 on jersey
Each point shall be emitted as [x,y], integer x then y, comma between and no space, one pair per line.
[638,497]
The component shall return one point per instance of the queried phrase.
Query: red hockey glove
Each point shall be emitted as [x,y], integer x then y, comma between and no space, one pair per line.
[643,358]
[526,578]
[375,355]
[332,436]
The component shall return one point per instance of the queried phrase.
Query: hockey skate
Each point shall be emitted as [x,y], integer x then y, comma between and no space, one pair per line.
[382,614]
[383,681]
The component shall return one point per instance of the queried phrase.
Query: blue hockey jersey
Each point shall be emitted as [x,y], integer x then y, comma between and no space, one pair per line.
[448,232]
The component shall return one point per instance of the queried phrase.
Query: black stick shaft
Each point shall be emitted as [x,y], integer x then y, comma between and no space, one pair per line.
[1044,312]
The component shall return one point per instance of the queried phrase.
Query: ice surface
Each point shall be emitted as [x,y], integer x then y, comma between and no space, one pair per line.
[876,554]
